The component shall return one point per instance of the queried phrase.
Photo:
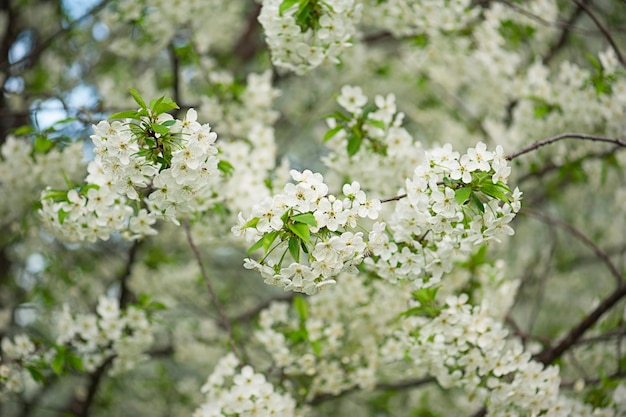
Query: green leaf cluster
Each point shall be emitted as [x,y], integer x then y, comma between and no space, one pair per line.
[427,305]
[295,232]
[356,132]
[155,139]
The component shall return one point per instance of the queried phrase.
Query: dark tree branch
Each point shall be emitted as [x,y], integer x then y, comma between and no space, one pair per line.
[562,136]
[249,42]
[604,31]
[396,198]
[551,354]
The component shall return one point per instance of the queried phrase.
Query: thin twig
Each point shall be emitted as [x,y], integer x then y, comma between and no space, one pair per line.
[562,136]
[604,31]
[396,198]
[225,322]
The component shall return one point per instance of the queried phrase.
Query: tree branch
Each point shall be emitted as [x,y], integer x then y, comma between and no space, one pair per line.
[550,354]
[562,136]
[604,31]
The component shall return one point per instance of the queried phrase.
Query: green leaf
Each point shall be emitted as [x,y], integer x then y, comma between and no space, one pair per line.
[161,130]
[268,239]
[129,114]
[376,123]
[36,373]
[251,223]
[479,204]
[23,131]
[286,5]
[225,166]
[332,132]
[257,245]
[62,215]
[495,191]
[354,143]
[163,105]
[462,194]
[301,307]
[58,361]
[156,305]
[307,218]
[302,231]
[294,248]
[168,123]
[42,144]
[75,362]
[138,98]
[316,347]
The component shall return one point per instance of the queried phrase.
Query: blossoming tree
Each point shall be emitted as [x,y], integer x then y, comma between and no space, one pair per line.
[312,208]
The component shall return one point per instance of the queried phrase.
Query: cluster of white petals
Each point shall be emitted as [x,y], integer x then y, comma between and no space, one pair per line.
[122,334]
[453,203]
[121,178]
[466,348]
[301,39]
[306,216]
[24,173]
[243,392]
[345,335]
[17,354]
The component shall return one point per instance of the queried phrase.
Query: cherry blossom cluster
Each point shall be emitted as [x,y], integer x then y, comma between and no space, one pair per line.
[147,167]
[305,34]
[18,355]
[84,342]
[316,229]
[336,340]
[369,142]
[452,204]
[26,170]
[122,334]
[212,25]
[231,392]
[407,17]
[464,347]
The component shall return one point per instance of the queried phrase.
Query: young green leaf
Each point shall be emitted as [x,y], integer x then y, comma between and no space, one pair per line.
[251,223]
[268,239]
[257,245]
[128,114]
[302,231]
[331,133]
[462,194]
[301,307]
[294,248]
[286,5]
[354,143]
[306,218]
[138,98]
